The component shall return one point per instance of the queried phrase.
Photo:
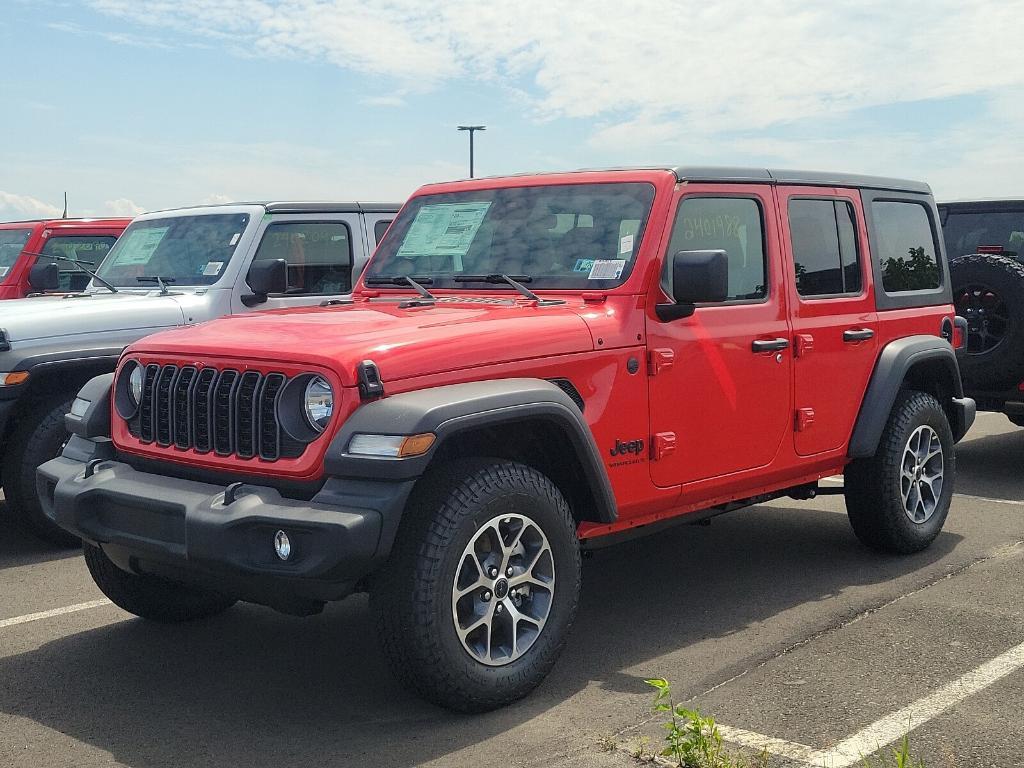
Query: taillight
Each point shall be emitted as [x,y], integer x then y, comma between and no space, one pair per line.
[1020,387]
[959,332]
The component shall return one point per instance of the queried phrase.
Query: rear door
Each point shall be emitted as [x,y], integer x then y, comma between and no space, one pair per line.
[834,320]
[321,250]
[720,386]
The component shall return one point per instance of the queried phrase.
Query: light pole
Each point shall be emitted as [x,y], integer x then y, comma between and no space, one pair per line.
[472,129]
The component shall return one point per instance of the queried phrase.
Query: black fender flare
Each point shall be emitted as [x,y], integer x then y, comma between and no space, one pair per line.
[897,360]
[449,410]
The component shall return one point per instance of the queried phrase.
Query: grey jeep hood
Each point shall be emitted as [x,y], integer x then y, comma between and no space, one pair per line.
[52,317]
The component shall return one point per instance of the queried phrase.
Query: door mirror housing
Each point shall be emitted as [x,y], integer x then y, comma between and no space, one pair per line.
[691,278]
[266,277]
[44,277]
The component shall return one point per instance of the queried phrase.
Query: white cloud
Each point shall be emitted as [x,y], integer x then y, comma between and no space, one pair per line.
[216,199]
[25,207]
[122,206]
[682,66]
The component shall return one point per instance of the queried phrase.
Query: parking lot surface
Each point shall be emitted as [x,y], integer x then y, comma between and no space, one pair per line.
[774,620]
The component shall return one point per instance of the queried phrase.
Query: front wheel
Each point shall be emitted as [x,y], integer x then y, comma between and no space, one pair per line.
[476,602]
[898,499]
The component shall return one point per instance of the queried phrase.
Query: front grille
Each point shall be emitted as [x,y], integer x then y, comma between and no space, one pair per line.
[225,412]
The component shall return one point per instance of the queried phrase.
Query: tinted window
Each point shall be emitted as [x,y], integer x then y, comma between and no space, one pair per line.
[12,241]
[319,255]
[966,232]
[560,236]
[380,228]
[189,250]
[905,246]
[731,224]
[89,249]
[824,243]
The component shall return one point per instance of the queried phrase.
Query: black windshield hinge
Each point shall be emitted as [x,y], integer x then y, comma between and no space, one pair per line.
[370,385]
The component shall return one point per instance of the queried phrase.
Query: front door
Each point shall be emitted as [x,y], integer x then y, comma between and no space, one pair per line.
[720,379]
[834,319]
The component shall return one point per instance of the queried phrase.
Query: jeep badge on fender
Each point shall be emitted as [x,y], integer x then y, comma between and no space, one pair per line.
[238,460]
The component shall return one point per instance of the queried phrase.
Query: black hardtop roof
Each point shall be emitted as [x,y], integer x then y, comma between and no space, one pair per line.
[991,204]
[300,207]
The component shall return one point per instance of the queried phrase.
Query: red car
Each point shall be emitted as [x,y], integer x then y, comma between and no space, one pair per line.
[22,243]
[531,366]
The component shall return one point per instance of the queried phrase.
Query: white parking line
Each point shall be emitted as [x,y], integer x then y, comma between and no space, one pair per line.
[890,728]
[4,623]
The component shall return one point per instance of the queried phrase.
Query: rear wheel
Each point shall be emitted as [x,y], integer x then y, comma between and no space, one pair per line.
[149,596]
[988,290]
[39,437]
[898,499]
[482,586]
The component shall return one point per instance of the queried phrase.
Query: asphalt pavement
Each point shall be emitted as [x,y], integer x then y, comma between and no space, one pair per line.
[774,620]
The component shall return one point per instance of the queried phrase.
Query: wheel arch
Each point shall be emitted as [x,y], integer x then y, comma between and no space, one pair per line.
[924,363]
[531,421]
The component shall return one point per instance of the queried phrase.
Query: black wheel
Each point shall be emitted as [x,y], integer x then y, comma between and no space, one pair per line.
[39,437]
[898,499]
[476,602]
[151,597]
[988,290]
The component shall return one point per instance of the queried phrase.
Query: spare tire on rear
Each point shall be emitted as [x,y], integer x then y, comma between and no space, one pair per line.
[988,290]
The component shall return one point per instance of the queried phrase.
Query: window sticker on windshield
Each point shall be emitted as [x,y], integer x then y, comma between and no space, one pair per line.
[583,265]
[607,269]
[212,268]
[626,244]
[136,247]
[445,229]
[234,238]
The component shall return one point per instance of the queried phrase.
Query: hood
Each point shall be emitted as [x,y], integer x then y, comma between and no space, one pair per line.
[42,317]
[402,342]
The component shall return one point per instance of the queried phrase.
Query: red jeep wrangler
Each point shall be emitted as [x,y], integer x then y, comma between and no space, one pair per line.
[530,365]
[64,241]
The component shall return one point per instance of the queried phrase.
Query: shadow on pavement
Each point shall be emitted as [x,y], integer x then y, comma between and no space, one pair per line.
[255,688]
[991,466]
[19,547]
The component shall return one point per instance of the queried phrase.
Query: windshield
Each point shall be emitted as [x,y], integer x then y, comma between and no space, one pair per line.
[966,232]
[12,241]
[188,250]
[567,236]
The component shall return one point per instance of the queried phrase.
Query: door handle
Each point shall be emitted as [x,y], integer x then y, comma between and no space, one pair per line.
[857,334]
[769,345]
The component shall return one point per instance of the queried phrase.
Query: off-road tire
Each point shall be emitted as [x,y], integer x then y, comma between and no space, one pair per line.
[151,597]
[412,597]
[874,500]
[1002,366]
[39,437]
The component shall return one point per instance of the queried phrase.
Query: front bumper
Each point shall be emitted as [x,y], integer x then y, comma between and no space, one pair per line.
[182,529]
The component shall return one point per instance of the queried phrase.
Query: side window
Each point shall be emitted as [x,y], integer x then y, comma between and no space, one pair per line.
[319,255]
[732,224]
[905,246]
[380,228]
[824,241]
[89,249]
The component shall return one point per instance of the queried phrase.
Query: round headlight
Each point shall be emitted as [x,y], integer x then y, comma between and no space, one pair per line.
[135,384]
[319,403]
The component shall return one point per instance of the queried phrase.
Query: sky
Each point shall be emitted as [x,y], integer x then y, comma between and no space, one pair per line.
[133,105]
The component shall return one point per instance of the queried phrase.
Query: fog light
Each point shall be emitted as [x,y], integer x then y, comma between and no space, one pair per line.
[282,545]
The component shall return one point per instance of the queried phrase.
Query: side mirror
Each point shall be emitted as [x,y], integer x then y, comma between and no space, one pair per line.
[691,278]
[44,277]
[266,277]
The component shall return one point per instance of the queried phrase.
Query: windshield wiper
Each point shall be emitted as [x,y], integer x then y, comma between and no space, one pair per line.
[514,282]
[159,280]
[416,284]
[80,265]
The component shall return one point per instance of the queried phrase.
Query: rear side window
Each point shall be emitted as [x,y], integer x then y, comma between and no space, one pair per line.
[88,249]
[824,241]
[380,228]
[905,246]
[319,255]
[731,224]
